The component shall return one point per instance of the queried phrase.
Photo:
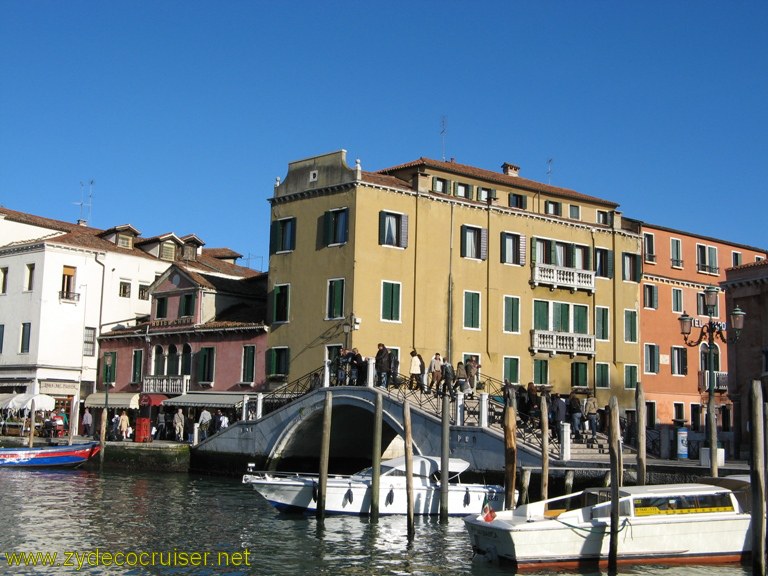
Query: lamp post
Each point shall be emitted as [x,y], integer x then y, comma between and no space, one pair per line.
[107,375]
[710,331]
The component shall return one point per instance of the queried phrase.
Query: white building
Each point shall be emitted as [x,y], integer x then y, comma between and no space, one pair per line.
[61,286]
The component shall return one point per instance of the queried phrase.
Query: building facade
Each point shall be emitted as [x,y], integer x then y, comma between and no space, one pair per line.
[540,283]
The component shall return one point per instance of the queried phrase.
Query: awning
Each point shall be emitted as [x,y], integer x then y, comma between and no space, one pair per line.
[152,399]
[209,399]
[127,400]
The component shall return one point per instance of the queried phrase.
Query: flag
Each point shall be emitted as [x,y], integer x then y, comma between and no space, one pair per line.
[488,512]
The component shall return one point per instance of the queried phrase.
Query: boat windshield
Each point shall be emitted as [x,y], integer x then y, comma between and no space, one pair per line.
[681,504]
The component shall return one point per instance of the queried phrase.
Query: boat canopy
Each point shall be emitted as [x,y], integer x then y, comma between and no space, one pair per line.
[425,465]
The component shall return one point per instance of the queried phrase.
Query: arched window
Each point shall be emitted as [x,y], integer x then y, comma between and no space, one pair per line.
[186,360]
[173,361]
[159,364]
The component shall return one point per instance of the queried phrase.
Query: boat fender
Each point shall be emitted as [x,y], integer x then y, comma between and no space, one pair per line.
[390,496]
[315,490]
[348,497]
[467,498]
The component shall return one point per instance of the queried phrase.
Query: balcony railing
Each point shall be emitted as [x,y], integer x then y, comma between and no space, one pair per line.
[561,277]
[69,296]
[562,343]
[165,384]
[721,381]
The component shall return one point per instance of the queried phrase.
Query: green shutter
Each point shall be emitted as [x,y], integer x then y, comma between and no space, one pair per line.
[540,315]
[274,231]
[382,227]
[463,246]
[249,355]
[533,250]
[504,237]
[484,244]
[403,240]
[610,263]
[138,358]
[580,319]
[386,301]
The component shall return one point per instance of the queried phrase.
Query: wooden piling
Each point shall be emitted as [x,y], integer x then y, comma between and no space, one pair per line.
[569,474]
[757,477]
[510,457]
[544,447]
[408,467]
[325,452]
[641,417]
[445,455]
[32,423]
[525,482]
[614,447]
[376,457]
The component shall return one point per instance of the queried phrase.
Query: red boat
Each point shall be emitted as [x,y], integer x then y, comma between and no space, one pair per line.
[49,456]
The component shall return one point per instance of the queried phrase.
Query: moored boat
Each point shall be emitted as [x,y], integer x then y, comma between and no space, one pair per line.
[676,523]
[352,494]
[49,456]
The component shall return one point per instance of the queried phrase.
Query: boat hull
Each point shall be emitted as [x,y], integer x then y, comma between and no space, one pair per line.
[347,496]
[48,456]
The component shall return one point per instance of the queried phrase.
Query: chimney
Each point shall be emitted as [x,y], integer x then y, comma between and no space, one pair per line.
[510,169]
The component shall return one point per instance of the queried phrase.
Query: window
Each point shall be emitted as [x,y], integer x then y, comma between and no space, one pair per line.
[335,304]
[172,365]
[143,292]
[650,415]
[186,360]
[678,409]
[390,301]
[703,310]
[110,367]
[162,307]
[512,248]
[580,319]
[3,280]
[630,376]
[137,366]
[249,358]
[603,263]
[2,337]
[335,227]
[540,371]
[574,212]
[601,323]
[651,359]
[485,194]
[89,341]
[563,254]
[463,190]
[29,282]
[578,374]
[125,289]
[695,417]
[552,208]
[159,364]
[676,252]
[650,296]
[679,361]
[187,305]
[474,242]
[472,310]
[565,317]
[168,250]
[283,235]
[725,417]
[512,369]
[704,359]
[26,334]
[277,361]
[706,259]
[561,317]
[630,326]
[677,300]
[125,241]
[540,315]
[281,298]
[68,283]
[439,185]
[649,248]
[602,375]
[735,259]
[512,314]
[205,364]
[631,267]
[393,229]
[517,201]
[603,217]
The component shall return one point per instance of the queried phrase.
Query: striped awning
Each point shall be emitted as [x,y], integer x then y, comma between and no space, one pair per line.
[209,399]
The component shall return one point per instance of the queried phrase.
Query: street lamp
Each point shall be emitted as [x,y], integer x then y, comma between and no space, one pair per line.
[709,331]
[107,375]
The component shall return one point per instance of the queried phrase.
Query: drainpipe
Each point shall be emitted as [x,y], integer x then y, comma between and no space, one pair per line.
[449,336]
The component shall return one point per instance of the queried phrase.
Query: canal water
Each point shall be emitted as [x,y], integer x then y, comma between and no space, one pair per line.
[122,523]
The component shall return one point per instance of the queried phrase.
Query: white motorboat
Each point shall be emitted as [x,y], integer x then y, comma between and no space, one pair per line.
[352,494]
[677,523]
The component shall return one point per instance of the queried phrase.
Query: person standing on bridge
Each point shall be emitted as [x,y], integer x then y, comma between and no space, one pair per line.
[435,373]
[448,376]
[382,363]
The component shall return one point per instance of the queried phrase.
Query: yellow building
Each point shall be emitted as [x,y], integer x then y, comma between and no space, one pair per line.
[539,283]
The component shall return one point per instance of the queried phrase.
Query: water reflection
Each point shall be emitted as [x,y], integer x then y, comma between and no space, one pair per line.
[81,511]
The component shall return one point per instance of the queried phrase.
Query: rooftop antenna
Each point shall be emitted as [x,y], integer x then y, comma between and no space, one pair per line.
[252,257]
[443,132]
[85,218]
[549,171]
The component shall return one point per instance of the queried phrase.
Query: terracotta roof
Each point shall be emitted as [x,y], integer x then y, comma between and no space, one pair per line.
[497,177]
[221,253]
[385,180]
[33,220]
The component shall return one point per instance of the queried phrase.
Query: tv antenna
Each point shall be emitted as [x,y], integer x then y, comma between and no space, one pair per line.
[443,132]
[85,218]
[549,171]
[254,257]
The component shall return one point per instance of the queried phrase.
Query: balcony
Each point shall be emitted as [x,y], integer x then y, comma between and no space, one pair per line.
[562,343]
[69,296]
[561,277]
[721,381]
[166,384]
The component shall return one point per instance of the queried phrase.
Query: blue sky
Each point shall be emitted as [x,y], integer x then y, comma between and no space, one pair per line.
[185,112]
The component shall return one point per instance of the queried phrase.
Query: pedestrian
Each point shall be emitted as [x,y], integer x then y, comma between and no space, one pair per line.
[161,434]
[558,415]
[87,422]
[461,380]
[356,368]
[223,421]
[447,376]
[574,409]
[123,425]
[178,425]
[415,371]
[471,368]
[590,409]
[204,423]
[435,373]
[382,365]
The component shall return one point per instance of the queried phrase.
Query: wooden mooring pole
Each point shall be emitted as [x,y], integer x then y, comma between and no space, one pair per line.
[408,467]
[445,455]
[757,477]
[641,416]
[325,453]
[544,447]
[510,457]
[614,446]
[376,457]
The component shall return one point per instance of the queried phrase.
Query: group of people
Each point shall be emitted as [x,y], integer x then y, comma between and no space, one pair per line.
[181,426]
[559,409]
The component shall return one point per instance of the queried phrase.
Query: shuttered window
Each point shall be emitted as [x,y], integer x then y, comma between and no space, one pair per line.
[390,301]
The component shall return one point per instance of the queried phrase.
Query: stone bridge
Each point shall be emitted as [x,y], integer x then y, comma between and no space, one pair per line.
[289,438]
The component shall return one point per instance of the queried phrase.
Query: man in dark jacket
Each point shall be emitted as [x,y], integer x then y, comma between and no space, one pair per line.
[382,364]
[558,415]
